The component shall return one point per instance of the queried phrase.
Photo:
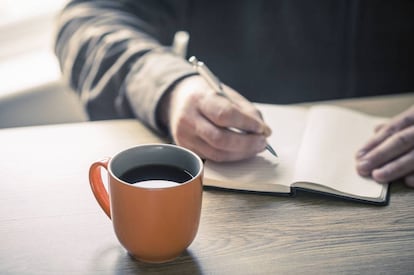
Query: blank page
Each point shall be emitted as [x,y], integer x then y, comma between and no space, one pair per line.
[327,156]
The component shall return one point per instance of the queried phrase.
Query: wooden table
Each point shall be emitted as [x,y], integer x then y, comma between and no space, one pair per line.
[50,222]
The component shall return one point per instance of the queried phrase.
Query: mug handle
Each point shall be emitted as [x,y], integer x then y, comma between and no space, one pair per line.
[97,186]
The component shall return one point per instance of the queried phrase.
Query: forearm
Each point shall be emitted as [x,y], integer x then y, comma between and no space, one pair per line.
[115,60]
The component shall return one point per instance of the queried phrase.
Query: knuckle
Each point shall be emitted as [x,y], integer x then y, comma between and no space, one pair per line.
[408,120]
[391,129]
[403,139]
[379,156]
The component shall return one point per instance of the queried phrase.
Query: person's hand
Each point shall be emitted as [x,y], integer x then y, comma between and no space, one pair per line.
[198,119]
[389,154]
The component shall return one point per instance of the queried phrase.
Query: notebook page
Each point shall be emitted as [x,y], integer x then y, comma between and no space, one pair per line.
[327,156]
[265,172]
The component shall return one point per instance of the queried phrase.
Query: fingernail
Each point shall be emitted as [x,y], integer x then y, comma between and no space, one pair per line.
[364,167]
[267,131]
[361,153]
[380,175]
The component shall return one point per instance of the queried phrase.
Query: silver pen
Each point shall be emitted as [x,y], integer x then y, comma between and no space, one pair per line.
[215,84]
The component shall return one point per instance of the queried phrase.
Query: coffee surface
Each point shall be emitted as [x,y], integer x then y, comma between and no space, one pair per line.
[156,172]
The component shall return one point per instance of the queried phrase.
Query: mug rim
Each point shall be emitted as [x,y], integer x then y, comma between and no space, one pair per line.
[199,172]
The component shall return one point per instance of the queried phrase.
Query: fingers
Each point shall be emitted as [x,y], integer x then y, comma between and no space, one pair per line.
[395,169]
[199,120]
[389,155]
[384,131]
[247,107]
[391,148]
[221,112]
[218,144]
[226,140]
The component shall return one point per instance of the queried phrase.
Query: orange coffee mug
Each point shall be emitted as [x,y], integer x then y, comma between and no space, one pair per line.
[154,199]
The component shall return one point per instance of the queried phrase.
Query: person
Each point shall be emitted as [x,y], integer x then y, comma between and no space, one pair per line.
[117,55]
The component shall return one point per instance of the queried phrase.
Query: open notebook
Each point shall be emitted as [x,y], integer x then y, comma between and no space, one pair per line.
[316,149]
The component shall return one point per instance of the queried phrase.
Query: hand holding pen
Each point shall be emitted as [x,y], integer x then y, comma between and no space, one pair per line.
[200,119]
[215,84]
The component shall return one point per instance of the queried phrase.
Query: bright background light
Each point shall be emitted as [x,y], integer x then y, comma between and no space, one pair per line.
[26,47]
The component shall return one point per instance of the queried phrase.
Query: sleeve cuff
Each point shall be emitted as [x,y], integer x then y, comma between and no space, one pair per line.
[149,79]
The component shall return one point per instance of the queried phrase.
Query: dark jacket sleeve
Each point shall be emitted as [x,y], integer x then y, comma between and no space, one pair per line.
[116,55]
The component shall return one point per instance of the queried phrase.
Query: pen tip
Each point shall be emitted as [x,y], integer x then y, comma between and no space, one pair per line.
[271,150]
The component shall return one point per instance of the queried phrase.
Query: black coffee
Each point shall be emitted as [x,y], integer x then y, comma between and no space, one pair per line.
[156,172]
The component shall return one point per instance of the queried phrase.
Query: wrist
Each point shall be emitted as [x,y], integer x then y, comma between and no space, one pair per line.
[169,100]
[172,98]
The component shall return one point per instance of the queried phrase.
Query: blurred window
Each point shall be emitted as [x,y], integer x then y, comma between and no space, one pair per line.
[26,25]
[26,41]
